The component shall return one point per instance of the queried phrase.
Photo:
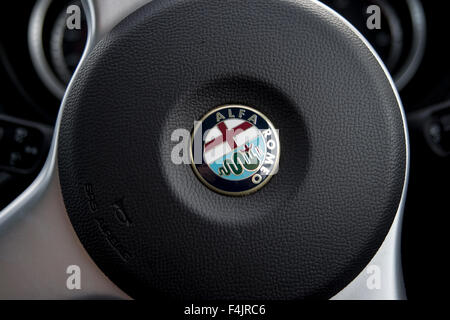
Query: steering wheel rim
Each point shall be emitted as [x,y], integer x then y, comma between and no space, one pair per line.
[47,187]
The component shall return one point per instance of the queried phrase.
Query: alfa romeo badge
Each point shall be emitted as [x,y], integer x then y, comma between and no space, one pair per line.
[235,150]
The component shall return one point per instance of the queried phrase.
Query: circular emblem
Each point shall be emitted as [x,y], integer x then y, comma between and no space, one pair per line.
[235,150]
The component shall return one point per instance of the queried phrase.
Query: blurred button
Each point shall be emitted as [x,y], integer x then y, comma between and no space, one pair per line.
[438,133]
[14,159]
[4,178]
[434,131]
[20,134]
[31,150]
[445,134]
[20,146]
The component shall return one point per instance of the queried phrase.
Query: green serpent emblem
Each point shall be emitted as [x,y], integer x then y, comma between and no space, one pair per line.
[240,161]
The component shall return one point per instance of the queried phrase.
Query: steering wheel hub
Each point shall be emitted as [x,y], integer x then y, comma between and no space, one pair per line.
[155,229]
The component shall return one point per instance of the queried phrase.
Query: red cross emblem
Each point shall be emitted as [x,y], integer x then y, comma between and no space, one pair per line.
[227,135]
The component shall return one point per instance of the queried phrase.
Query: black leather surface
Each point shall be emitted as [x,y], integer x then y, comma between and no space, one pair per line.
[306,234]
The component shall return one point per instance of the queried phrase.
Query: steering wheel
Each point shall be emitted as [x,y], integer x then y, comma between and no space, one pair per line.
[308,205]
